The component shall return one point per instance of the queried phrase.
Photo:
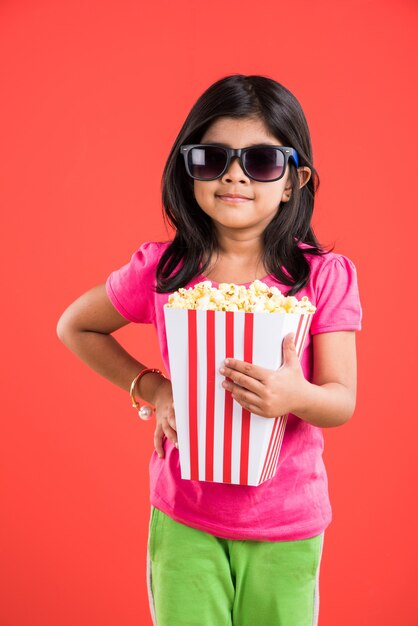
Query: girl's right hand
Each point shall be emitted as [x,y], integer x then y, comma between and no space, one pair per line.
[164,416]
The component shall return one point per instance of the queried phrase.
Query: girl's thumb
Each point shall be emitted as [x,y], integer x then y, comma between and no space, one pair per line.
[289,349]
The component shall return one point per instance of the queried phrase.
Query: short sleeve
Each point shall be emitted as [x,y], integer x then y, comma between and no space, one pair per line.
[337,297]
[131,287]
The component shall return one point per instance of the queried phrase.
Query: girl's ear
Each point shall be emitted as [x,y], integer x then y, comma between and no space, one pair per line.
[304,174]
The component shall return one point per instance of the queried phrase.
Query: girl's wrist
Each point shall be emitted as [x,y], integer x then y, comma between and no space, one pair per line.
[325,406]
[302,398]
[147,386]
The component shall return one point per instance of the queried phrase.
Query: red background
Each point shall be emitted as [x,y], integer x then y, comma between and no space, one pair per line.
[93,96]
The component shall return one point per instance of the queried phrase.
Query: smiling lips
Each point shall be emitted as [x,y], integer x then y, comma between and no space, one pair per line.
[234,198]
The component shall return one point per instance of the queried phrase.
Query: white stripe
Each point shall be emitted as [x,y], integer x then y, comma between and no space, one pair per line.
[176,322]
[316,591]
[149,576]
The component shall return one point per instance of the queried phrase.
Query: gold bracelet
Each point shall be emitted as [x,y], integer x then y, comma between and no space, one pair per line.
[145,411]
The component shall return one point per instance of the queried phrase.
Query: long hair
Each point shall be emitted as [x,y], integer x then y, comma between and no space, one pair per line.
[195,239]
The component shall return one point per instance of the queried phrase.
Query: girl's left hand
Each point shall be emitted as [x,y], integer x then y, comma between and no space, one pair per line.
[269,393]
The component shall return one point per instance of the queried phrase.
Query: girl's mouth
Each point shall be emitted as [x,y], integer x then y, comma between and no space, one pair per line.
[233,200]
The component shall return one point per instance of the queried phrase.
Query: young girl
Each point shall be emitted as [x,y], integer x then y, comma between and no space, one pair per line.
[238,187]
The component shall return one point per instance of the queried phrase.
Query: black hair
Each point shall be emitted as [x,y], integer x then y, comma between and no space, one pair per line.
[195,240]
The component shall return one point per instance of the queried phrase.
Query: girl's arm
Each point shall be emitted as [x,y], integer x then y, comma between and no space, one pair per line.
[85,328]
[328,401]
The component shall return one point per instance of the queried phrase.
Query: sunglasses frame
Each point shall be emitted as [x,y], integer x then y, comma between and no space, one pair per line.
[288,153]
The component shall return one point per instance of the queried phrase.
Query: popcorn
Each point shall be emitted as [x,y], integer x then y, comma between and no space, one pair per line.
[231,297]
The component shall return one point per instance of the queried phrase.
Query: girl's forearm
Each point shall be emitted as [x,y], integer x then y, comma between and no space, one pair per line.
[331,404]
[102,353]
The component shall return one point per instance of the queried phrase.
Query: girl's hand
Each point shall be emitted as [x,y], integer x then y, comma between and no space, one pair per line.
[269,393]
[165,418]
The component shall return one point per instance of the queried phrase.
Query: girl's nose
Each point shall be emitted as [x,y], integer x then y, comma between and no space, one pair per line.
[235,172]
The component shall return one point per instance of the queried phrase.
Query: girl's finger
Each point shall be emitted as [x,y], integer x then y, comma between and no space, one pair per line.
[171,435]
[169,432]
[249,369]
[245,398]
[247,378]
[158,441]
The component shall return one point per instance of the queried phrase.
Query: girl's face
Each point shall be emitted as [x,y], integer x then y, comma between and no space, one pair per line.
[262,199]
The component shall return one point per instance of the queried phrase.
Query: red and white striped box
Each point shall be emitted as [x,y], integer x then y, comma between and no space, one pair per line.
[218,440]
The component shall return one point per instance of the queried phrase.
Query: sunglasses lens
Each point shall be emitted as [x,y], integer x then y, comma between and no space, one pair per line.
[206,162]
[264,164]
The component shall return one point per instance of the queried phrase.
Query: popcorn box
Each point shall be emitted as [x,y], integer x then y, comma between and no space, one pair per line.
[218,439]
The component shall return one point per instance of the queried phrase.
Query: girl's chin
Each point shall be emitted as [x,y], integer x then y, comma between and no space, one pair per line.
[237,223]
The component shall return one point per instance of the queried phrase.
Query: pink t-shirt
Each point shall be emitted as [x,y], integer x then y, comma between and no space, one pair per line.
[294,504]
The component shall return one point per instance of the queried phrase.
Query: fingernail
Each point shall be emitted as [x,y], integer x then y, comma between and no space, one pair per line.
[222,370]
[226,361]
[176,444]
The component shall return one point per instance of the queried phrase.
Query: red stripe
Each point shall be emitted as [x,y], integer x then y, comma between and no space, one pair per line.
[229,352]
[245,447]
[307,324]
[298,330]
[269,449]
[269,468]
[210,393]
[246,415]
[273,452]
[279,441]
[192,330]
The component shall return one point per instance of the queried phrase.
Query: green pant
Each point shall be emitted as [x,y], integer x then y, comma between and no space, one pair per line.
[197,579]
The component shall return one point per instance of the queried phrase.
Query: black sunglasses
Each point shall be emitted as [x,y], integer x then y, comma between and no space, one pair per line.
[261,163]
